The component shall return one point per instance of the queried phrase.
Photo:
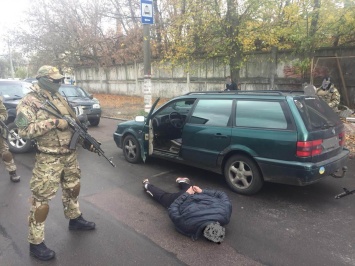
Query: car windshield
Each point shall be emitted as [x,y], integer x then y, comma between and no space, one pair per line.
[14,90]
[72,91]
[316,113]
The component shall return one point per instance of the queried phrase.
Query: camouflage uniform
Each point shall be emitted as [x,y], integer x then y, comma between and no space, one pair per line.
[4,149]
[56,165]
[331,96]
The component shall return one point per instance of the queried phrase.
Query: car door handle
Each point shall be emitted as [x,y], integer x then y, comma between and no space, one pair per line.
[219,135]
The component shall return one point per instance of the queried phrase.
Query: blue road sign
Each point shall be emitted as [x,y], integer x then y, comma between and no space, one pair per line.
[147,11]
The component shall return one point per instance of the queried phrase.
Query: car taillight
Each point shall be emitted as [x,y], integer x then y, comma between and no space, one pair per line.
[342,139]
[309,148]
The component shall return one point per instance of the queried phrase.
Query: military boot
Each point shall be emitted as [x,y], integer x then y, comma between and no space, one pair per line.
[14,177]
[41,251]
[80,224]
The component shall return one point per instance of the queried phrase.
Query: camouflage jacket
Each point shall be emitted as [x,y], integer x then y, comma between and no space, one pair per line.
[3,112]
[38,124]
[330,96]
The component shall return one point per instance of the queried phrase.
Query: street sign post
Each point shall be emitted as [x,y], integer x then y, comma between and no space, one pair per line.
[147,20]
[147,12]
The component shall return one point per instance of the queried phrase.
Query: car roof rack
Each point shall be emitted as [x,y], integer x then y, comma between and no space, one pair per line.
[277,92]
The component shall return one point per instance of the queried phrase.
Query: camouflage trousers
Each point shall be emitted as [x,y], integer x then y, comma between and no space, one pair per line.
[49,172]
[4,149]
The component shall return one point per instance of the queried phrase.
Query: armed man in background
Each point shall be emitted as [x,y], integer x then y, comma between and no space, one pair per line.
[4,148]
[56,164]
[328,93]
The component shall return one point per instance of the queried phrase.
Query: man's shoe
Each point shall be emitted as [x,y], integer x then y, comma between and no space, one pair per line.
[14,177]
[41,251]
[182,180]
[80,224]
[145,183]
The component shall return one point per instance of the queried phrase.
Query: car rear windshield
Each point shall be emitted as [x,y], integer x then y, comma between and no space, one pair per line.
[316,113]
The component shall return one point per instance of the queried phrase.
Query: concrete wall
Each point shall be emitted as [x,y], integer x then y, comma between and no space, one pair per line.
[262,71]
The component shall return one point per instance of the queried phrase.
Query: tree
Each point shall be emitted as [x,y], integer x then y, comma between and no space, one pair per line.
[108,32]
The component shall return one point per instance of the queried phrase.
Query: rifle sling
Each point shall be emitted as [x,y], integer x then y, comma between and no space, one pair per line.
[70,110]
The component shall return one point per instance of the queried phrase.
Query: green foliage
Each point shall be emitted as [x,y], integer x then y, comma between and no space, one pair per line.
[302,67]
[21,72]
[109,32]
[142,112]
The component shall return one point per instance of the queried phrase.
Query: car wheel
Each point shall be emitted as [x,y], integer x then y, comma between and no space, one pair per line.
[243,175]
[131,149]
[94,122]
[16,143]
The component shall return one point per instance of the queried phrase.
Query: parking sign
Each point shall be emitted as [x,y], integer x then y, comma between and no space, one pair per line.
[147,11]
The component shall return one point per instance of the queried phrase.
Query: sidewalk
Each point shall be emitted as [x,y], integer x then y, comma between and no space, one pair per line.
[123,107]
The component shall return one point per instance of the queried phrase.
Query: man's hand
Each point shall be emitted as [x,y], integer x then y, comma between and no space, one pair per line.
[197,189]
[61,124]
[194,189]
[190,191]
[87,145]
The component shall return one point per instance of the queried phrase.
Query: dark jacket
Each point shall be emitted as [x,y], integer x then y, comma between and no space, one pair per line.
[231,87]
[191,213]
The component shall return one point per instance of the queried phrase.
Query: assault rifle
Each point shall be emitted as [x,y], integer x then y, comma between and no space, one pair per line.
[79,132]
[4,126]
[345,193]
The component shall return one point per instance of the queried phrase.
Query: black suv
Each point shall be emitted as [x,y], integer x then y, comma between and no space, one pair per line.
[248,136]
[82,102]
[12,92]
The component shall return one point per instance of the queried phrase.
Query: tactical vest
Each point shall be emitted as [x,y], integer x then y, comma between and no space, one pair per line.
[55,141]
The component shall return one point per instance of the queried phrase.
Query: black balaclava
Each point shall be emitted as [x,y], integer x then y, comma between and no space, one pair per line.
[48,84]
[326,83]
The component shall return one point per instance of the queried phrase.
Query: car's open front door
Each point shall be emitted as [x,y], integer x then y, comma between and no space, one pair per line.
[147,145]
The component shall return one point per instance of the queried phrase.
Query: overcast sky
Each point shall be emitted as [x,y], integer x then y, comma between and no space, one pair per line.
[11,13]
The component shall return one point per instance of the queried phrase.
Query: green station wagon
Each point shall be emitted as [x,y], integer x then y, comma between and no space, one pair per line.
[248,136]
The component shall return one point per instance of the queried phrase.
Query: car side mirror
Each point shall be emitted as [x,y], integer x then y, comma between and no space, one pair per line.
[91,96]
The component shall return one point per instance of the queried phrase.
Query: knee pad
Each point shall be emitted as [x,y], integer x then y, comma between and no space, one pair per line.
[41,213]
[7,156]
[75,191]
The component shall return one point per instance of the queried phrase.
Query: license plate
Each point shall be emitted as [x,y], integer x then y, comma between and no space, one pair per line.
[330,144]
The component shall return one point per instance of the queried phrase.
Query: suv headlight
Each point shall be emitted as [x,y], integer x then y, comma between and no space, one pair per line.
[96,106]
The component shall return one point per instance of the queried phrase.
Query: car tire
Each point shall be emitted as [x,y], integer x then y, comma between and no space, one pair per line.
[242,175]
[17,145]
[94,122]
[131,149]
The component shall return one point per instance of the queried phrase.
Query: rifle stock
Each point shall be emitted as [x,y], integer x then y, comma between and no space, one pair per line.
[4,126]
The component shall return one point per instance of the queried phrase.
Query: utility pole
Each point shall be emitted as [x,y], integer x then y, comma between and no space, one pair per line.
[10,58]
[147,20]
[147,87]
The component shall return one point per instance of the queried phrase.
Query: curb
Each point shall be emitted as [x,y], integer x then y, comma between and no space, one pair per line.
[115,118]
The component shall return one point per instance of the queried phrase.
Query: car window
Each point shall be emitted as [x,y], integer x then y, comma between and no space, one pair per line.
[212,112]
[13,90]
[183,107]
[316,113]
[72,91]
[262,114]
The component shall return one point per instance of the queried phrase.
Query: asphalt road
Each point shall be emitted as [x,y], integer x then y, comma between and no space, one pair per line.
[282,225]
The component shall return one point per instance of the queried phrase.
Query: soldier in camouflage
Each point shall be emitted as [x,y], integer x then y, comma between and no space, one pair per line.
[4,149]
[56,165]
[328,93]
